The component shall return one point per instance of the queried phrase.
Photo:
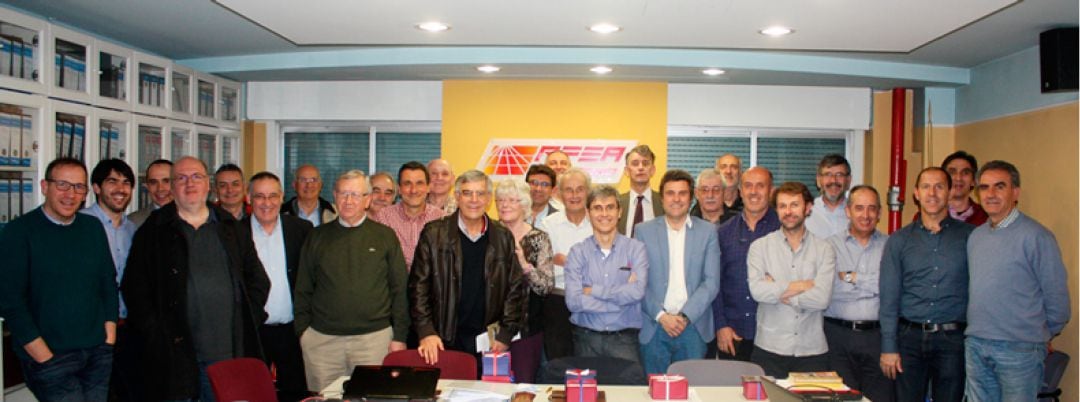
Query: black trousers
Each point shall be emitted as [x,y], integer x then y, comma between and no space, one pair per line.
[743,350]
[856,356]
[126,384]
[558,333]
[282,350]
[779,366]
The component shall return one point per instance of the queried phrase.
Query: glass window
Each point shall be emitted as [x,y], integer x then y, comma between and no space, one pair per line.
[796,159]
[112,137]
[696,153]
[333,153]
[394,149]
[208,150]
[181,92]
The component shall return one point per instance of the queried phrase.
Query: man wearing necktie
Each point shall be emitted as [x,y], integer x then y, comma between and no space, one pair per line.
[640,168]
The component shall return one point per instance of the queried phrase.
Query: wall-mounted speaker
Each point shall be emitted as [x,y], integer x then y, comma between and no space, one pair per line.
[1058,60]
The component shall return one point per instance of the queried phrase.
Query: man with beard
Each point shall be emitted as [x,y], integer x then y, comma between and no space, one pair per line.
[158,187]
[230,191]
[710,198]
[730,168]
[924,296]
[790,274]
[442,181]
[112,180]
[641,203]
[833,179]
[851,321]
[383,192]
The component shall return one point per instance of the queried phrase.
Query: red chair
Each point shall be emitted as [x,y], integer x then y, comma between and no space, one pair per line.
[452,365]
[243,379]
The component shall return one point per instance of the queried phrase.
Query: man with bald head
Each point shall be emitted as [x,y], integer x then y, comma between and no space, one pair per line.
[307,204]
[734,310]
[442,181]
[730,168]
[194,288]
[558,161]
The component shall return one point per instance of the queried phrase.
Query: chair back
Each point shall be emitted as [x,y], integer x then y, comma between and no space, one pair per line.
[1053,370]
[609,370]
[718,373]
[243,379]
[453,365]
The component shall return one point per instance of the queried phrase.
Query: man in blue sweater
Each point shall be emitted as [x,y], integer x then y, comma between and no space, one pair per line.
[58,291]
[1019,298]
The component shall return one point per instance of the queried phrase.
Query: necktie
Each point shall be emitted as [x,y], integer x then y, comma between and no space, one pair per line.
[638,215]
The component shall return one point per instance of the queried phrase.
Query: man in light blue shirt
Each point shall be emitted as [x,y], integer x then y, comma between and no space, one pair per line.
[605,282]
[278,239]
[113,180]
[851,321]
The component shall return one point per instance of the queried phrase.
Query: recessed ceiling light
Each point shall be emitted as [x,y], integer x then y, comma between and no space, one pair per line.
[432,26]
[601,69]
[605,28]
[776,31]
[713,71]
[488,69]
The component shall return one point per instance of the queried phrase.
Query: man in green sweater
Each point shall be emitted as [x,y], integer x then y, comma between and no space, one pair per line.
[61,307]
[349,302]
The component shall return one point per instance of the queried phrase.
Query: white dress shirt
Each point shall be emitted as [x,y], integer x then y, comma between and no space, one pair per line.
[271,251]
[564,234]
[631,207]
[676,290]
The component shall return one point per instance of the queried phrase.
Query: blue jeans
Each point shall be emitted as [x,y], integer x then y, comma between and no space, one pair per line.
[1003,370]
[622,345]
[662,349]
[72,376]
[930,358]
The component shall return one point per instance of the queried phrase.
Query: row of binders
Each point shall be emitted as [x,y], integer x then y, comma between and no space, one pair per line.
[70,72]
[16,199]
[17,58]
[151,88]
[70,136]
[16,139]
[110,143]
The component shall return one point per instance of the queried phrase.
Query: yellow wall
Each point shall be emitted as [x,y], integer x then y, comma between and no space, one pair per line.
[1044,147]
[477,111]
[253,147]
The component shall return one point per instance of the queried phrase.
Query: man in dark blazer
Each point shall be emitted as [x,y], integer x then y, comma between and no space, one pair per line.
[641,203]
[194,289]
[278,240]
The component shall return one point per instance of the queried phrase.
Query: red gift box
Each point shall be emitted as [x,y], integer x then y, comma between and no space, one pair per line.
[580,385]
[668,387]
[752,388]
[496,378]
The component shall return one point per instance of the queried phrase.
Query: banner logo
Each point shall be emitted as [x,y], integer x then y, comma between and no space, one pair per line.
[510,158]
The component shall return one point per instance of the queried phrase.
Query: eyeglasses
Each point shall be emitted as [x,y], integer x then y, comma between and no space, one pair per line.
[713,189]
[307,180]
[265,197]
[196,178]
[837,175]
[541,184]
[65,186]
[344,195]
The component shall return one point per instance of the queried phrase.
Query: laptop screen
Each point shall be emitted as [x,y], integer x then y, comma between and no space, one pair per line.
[392,383]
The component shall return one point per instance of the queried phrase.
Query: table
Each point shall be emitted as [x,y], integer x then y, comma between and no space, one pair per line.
[615,393]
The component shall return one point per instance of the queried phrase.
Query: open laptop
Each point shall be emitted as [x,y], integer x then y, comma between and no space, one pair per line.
[391,383]
[777,393]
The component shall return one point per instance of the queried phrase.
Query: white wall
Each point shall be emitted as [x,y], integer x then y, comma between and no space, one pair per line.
[345,100]
[769,106]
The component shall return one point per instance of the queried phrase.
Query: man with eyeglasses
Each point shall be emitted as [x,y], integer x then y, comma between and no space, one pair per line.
[112,181]
[350,306]
[541,181]
[158,188]
[229,188]
[307,204]
[58,291]
[565,229]
[465,277]
[828,218]
[278,239]
[710,198]
[194,287]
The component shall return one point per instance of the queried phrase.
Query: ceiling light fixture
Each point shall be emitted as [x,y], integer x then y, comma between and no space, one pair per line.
[432,26]
[776,31]
[605,28]
[601,69]
[712,72]
[488,69]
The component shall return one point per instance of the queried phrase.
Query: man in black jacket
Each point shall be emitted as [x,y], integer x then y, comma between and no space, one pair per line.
[189,263]
[278,239]
[465,276]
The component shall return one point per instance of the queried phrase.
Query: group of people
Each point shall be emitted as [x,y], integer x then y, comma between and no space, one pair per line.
[961,301]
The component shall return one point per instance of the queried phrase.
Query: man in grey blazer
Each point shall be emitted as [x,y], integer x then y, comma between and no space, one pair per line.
[684,278]
[641,203]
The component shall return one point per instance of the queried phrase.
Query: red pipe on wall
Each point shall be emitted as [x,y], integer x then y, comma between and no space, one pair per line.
[897,164]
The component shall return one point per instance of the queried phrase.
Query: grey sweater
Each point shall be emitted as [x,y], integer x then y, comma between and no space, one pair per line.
[1019,287]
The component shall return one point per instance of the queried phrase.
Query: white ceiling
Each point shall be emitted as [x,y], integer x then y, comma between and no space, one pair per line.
[835,25]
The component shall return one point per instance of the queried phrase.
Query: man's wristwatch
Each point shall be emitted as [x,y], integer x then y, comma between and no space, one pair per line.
[849,277]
